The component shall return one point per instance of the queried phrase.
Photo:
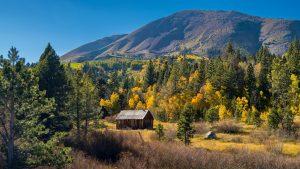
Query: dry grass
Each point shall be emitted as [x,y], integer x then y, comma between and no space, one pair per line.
[201,128]
[251,138]
[133,153]
[259,136]
[105,145]
[274,147]
[82,161]
[228,127]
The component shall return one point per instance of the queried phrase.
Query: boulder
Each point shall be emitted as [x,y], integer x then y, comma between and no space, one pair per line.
[210,135]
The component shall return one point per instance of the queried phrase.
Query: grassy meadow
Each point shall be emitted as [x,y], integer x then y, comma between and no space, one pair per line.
[249,138]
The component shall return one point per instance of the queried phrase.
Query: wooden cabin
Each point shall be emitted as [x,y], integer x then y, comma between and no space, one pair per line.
[135,119]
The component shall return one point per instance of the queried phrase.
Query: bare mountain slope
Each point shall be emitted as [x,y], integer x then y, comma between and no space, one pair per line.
[86,52]
[201,32]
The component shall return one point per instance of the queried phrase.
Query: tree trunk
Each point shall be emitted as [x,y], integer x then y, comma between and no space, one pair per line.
[10,149]
[78,118]
[87,115]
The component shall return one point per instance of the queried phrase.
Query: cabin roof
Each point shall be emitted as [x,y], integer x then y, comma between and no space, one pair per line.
[132,114]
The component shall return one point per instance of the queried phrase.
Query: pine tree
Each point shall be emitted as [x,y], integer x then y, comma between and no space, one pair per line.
[185,129]
[274,118]
[229,51]
[21,129]
[212,115]
[173,80]
[76,102]
[251,85]
[265,59]
[280,80]
[161,73]
[53,80]
[113,81]
[293,58]
[89,101]
[149,78]
[160,131]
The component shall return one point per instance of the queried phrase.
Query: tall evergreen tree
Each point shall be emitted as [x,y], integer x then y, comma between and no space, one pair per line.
[185,129]
[229,50]
[149,78]
[90,102]
[161,73]
[251,85]
[76,101]
[173,80]
[280,93]
[53,80]
[21,105]
[265,59]
[293,58]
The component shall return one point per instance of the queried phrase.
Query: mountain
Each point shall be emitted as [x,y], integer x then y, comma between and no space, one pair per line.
[200,32]
[89,50]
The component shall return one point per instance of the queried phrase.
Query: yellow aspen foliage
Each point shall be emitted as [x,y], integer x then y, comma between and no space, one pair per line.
[242,107]
[209,93]
[180,58]
[150,97]
[208,88]
[112,104]
[114,98]
[224,113]
[264,116]
[131,103]
[218,95]
[173,106]
[197,101]
[136,98]
[140,106]
[150,102]
[244,117]
[182,82]
[150,91]
[294,93]
[105,103]
[207,97]
[194,76]
[136,89]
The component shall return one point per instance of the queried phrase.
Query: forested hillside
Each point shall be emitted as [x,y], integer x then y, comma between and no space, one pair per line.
[50,110]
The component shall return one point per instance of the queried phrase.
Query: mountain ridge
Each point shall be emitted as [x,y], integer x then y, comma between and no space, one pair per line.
[201,32]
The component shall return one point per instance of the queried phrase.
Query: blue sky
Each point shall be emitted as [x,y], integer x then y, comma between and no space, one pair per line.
[30,24]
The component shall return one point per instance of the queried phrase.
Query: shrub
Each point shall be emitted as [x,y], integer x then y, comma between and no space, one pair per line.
[161,115]
[104,145]
[201,128]
[111,119]
[160,131]
[82,161]
[212,115]
[274,119]
[170,134]
[228,127]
